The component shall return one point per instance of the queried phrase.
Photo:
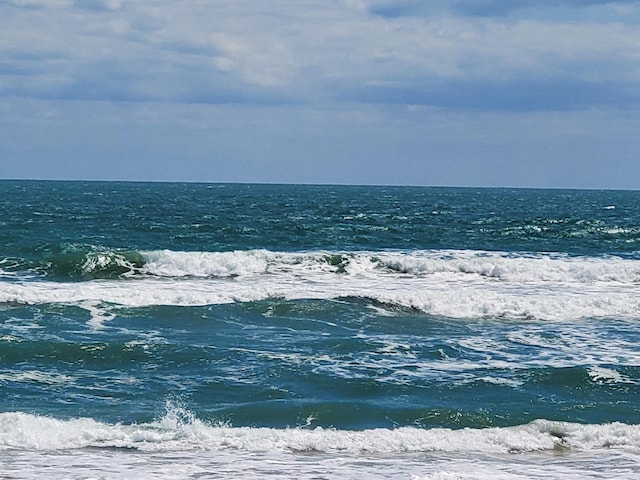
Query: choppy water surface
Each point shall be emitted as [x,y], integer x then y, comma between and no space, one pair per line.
[208,331]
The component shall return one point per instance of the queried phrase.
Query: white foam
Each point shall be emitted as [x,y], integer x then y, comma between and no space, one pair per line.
[180,446]
[96,261]
[166,263]
[456,284]
[179,430]
[36,376]
[99,315]
[607,375]
[114,463]
[463,263]
[495,381]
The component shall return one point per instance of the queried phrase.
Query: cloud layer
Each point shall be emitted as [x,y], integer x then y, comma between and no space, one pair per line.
[442,92]
[456,53]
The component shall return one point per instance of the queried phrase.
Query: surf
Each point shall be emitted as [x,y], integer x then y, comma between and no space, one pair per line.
[179,430]
[449,283]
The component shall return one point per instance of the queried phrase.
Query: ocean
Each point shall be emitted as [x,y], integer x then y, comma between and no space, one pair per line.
[183,331]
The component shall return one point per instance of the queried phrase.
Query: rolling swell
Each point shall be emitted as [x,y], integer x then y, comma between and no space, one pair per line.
[88,263]
[317,364]
[74,262]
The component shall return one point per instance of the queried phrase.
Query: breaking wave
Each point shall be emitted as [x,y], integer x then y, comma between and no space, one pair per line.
[456,283]
[180,430]
[502,266]
[81,262]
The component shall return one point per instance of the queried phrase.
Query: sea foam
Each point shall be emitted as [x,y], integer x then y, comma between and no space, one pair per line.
[179,430]
[455,284]
[460,263]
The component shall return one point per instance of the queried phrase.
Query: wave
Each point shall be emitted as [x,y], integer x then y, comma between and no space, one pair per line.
[497,265]
[89,262]
[75,262]
[455,284]
[180,430]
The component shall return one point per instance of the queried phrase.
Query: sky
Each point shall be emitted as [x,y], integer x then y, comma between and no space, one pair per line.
[526,93]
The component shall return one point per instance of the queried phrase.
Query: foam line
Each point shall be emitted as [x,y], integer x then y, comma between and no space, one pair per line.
[179,430]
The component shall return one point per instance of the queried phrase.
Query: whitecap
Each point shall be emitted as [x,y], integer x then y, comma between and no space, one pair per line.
[180,430]
[607,375]
[455,284]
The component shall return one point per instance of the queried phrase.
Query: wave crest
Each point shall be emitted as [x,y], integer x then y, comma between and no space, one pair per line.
[455,284]
[80,262]
[463,264]
[179,430]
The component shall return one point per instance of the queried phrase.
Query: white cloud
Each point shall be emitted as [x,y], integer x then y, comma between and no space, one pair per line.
[99,4]
[355,91]
[311,51]
[47,4]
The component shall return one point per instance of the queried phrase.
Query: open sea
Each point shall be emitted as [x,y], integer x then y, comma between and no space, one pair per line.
[196,331]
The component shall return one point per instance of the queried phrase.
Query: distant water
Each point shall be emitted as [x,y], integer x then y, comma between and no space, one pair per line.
[262,331]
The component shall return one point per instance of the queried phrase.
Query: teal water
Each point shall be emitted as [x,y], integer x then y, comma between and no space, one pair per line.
[45,217]
[268,318]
